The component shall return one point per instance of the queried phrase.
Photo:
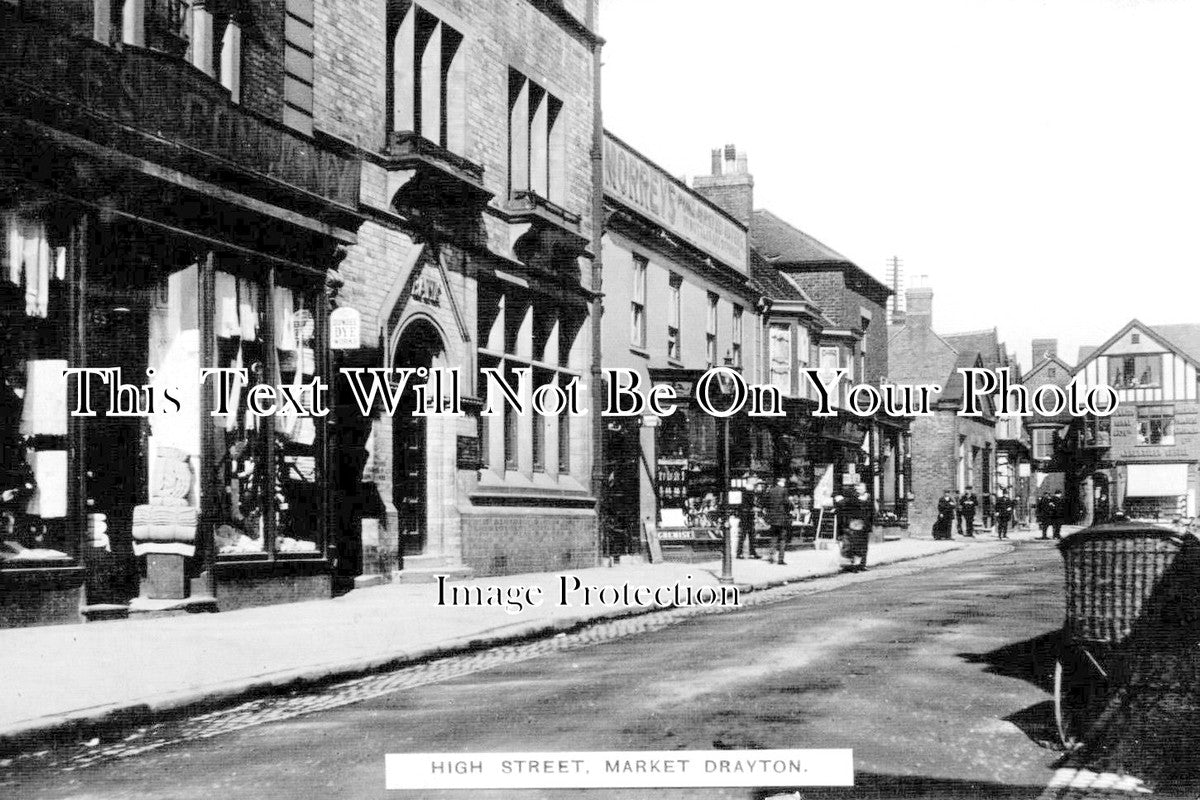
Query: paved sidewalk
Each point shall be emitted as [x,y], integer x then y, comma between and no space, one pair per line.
[62,679]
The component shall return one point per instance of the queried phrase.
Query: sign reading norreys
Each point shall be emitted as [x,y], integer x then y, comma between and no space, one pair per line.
[637,183]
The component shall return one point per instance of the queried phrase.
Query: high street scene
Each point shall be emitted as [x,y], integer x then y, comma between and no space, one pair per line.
[638,398]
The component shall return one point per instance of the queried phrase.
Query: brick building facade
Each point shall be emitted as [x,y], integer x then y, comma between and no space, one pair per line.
[820,311]
[948,451]
[476,122]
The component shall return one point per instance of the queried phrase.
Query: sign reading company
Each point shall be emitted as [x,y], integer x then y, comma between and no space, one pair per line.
[633,181]
[128,86]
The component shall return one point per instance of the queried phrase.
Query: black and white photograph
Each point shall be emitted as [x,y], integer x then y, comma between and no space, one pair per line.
[614,399]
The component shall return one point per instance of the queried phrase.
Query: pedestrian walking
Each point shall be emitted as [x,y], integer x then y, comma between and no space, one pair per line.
[967,504]
[947,508]
[1004,513]
[857,511]
[777,509]
[746,516]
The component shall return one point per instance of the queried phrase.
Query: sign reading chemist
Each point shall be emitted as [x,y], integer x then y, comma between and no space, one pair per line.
[635,182]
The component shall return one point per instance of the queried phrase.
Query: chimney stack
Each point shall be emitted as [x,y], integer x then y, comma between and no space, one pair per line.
[918,312]
[730,186]
[1043,347]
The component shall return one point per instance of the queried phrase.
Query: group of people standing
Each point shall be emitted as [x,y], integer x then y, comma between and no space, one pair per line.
[855,510]
[1051,513]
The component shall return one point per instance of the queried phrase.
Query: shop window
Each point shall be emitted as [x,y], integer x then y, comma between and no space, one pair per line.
[427,92]
[536,141]
[531,341]
[1156,425]
[1135,372]
[779,345]
[736,335]
[710,331]
[34,350]
[1097,432]
[637,306]
[674,292]
[1043,444]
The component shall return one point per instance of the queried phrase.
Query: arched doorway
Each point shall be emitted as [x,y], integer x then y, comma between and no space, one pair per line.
[419,345]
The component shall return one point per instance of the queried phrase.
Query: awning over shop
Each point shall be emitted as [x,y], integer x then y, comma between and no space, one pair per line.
[1156,480]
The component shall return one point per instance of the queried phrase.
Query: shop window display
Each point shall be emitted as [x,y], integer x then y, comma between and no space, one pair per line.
[144,305]
[270,501]
[34,526]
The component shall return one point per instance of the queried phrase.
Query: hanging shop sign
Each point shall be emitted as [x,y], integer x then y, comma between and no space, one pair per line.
[345,329]
[636,182]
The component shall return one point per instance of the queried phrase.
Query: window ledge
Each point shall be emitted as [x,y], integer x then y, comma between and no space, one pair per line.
[549,230]
[533,495]
[640,351]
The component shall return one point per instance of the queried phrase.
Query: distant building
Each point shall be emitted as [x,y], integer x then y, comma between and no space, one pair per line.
[1142,459]
[949,451]
[1048,435]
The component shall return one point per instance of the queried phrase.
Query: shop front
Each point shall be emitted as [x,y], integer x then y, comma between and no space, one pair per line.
[146,250]
[698,458]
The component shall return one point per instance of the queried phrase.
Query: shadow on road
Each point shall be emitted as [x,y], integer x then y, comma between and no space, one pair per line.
[874,786]
[1031,660]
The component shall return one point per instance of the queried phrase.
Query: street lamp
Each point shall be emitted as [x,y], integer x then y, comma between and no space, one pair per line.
[725,384]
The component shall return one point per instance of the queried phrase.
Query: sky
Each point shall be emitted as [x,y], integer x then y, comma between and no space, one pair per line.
[1037,164]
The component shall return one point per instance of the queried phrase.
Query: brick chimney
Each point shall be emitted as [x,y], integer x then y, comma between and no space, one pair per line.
[918,312]
[1041,347]
[730,186]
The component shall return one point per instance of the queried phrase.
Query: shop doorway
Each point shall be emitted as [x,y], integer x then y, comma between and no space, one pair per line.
[622,498]
[116,450]
[419,345]
[1101,505]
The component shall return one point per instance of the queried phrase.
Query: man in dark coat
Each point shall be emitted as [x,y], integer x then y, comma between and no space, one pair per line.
[943,528]
[1004,513]
[966,506]
[1050,513]
[777,509]
[857,514]
[746,516]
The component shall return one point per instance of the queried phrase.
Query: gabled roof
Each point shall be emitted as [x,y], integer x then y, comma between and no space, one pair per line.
[986,343]
[1085,351]
[952,391]
[1183,339]
[1045,362]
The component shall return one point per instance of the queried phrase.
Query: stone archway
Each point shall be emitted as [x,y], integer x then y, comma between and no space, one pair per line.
[423,450]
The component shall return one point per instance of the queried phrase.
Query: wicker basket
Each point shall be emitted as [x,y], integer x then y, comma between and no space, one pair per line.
[1111,571]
